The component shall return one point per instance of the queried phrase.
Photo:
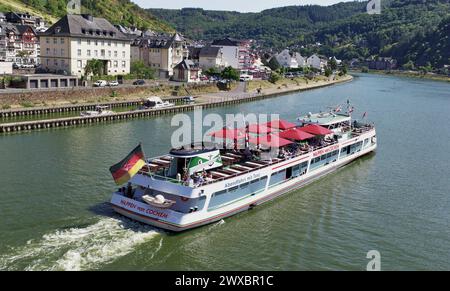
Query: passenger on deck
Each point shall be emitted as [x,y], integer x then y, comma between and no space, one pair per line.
[247,154]
[195,178]
[189,181]
[200,180]
[282,154]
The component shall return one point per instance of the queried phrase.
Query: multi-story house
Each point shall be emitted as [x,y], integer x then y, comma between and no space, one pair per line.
[75,40]
[17,18]
[383,64]
[212,57]
[317,62]
[301,61]
[161,52]
[286,60]
[19,44]
[236,53]
[187,71]
[21,18]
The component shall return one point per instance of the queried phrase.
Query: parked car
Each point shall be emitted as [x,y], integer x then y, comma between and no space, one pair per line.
[62,72]
[245,78]
[204,78]
[139,82]
[113,84]
[17,66]
[41,70]
[289,75]
[27,66]
[101,83]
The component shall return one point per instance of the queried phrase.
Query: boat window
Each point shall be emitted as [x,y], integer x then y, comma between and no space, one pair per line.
[277,178]
[233,189]
[255,181]
[235,194]
[220,193]
[245,185]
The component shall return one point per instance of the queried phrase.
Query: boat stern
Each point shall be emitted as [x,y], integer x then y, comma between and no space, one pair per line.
[162,218]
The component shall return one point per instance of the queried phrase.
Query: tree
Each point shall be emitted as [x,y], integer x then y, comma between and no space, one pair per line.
[333,64]
[306,70]
[344,71]
[141,70]
[274,64]
[212,72]
[274,77]
[229,73]
[409,66]
[328,72]
[94,67]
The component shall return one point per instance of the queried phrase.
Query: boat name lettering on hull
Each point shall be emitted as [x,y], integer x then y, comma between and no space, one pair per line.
[132,206]
[243,180]
[325,151]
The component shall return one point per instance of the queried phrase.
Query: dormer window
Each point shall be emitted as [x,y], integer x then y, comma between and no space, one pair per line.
[58,29]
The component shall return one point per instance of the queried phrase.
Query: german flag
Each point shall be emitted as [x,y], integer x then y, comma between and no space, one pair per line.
[128,167]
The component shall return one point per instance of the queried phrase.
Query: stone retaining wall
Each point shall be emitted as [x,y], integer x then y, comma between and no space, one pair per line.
[81,94]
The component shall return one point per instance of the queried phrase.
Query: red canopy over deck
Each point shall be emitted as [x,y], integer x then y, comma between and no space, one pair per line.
[259,129]
[272,141]
[316,129]
[280,124]
[226,133]
[295,134]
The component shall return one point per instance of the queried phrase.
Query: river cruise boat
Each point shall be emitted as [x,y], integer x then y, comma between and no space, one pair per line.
[197,185]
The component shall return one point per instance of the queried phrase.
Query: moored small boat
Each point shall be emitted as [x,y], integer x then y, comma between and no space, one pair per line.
[99,111]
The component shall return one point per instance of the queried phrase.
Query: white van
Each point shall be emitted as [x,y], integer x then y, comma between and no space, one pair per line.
[101,83]
[246,78]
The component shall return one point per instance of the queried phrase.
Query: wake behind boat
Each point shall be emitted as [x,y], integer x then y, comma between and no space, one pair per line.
[200,184]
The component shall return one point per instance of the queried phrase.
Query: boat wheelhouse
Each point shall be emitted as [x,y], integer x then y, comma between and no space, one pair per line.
[200,184]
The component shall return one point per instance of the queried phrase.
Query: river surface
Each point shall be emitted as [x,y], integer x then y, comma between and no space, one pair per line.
[55,185]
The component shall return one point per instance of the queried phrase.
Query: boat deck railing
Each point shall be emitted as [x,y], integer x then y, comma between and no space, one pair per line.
[242,163]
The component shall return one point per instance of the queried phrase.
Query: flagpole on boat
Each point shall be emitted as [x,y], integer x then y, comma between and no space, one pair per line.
[146,161]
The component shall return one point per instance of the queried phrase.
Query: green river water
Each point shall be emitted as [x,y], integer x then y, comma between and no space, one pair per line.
[55,185]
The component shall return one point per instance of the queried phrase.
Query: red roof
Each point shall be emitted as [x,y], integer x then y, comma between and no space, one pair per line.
[295,134]
[316,129]
[280,124]
[272,141]
[227,133]
[259,129]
